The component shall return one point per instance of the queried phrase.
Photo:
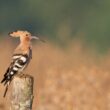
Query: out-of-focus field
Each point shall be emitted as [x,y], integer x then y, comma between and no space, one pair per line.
[75,78]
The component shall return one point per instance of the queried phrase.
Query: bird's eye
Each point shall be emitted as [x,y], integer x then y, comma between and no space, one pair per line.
[26,34]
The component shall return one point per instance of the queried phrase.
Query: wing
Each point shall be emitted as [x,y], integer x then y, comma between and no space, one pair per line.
[19,62]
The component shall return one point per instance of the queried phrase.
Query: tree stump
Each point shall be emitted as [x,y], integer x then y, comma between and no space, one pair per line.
[22,93]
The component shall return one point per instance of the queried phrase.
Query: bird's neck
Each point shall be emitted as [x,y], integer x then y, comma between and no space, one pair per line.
[24,46]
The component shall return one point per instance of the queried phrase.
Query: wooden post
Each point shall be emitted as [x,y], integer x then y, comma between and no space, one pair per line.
[22,93]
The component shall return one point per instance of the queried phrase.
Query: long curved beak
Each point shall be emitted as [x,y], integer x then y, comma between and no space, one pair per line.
[37,38]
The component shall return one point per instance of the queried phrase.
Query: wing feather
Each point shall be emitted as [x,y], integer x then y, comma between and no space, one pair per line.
[16,65]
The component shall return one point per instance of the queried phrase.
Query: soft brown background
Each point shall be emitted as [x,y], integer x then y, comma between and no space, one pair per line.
[74,78]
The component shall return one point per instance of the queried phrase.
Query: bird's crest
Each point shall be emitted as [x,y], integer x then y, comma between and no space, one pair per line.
[24,35]
[20,33]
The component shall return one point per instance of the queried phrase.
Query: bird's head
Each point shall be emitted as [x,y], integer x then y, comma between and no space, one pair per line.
[23,35]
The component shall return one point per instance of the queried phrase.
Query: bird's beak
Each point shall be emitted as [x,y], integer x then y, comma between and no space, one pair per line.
[37,38]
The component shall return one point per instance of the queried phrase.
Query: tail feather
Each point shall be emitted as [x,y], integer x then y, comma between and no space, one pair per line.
[6,80]
[6,89]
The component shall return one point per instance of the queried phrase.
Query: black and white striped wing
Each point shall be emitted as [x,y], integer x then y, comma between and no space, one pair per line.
[19,62]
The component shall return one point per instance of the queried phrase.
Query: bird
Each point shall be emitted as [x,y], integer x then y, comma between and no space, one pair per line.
[21,56]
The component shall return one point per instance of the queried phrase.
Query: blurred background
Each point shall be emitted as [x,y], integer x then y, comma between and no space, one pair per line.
[71,69]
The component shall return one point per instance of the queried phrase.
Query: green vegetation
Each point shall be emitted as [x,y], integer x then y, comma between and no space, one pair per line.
[60,20]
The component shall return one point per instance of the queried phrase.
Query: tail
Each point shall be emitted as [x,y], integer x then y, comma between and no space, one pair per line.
[6,82]
[6,89]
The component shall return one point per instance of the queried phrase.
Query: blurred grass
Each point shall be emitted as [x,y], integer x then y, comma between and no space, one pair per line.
[49,18]
[75,78]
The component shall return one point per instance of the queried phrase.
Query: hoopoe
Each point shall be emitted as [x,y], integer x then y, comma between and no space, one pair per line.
[21,56]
